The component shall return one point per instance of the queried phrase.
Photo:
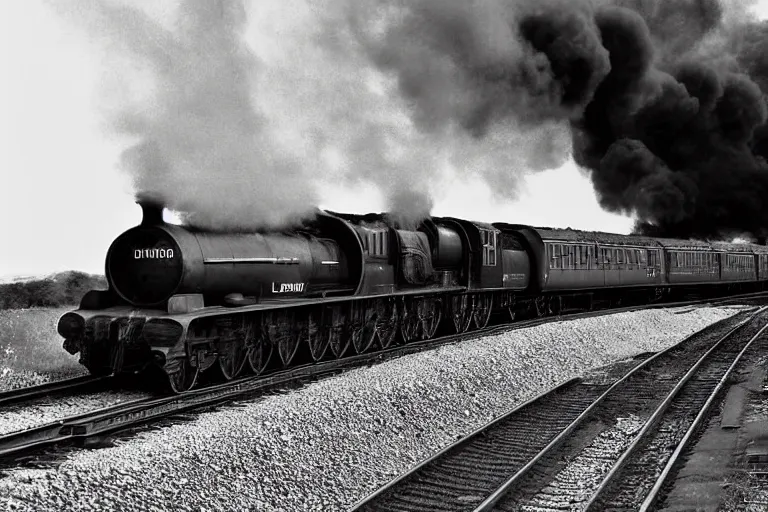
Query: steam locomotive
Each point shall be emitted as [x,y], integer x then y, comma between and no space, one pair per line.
[188,301]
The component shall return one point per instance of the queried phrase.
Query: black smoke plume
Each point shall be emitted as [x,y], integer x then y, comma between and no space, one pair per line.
[663,97]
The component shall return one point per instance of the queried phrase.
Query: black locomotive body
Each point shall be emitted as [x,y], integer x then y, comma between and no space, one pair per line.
[190,301]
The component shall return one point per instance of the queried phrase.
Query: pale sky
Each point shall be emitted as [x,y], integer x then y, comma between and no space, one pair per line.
[63,199]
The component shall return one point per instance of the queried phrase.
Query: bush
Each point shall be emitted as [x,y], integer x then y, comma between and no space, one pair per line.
[62,289]
[29,342]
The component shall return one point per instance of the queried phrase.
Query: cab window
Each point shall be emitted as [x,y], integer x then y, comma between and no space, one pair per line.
[488,241]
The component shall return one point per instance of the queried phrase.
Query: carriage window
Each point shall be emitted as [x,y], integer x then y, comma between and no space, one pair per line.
[488,241]
[554,252]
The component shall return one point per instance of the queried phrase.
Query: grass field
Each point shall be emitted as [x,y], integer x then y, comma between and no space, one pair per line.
[30,348]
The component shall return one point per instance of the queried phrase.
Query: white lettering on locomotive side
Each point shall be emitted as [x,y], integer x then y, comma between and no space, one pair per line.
[287,287]
[139,254]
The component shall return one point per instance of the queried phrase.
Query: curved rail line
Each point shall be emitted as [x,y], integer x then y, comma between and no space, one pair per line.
[482,470]
[136,412]
[83,383]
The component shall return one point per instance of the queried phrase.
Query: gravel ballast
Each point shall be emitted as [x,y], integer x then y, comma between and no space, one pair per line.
[328,444]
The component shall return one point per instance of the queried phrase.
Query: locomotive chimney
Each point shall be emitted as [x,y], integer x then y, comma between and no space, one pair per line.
[152,211]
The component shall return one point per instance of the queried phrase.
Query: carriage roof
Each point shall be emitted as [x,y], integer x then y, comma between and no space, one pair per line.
[574,235]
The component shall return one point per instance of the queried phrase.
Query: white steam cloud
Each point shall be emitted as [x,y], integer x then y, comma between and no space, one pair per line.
[237,113]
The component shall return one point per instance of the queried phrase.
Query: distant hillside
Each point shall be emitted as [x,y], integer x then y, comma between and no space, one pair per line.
[62,289]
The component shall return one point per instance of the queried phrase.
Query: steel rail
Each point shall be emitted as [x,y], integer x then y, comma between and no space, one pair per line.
[50,388]
[657,415]
[491,501]
[501,491]
[653,494]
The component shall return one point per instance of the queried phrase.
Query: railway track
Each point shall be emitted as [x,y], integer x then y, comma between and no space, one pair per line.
[132,413]
[585,443]
[646,467]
